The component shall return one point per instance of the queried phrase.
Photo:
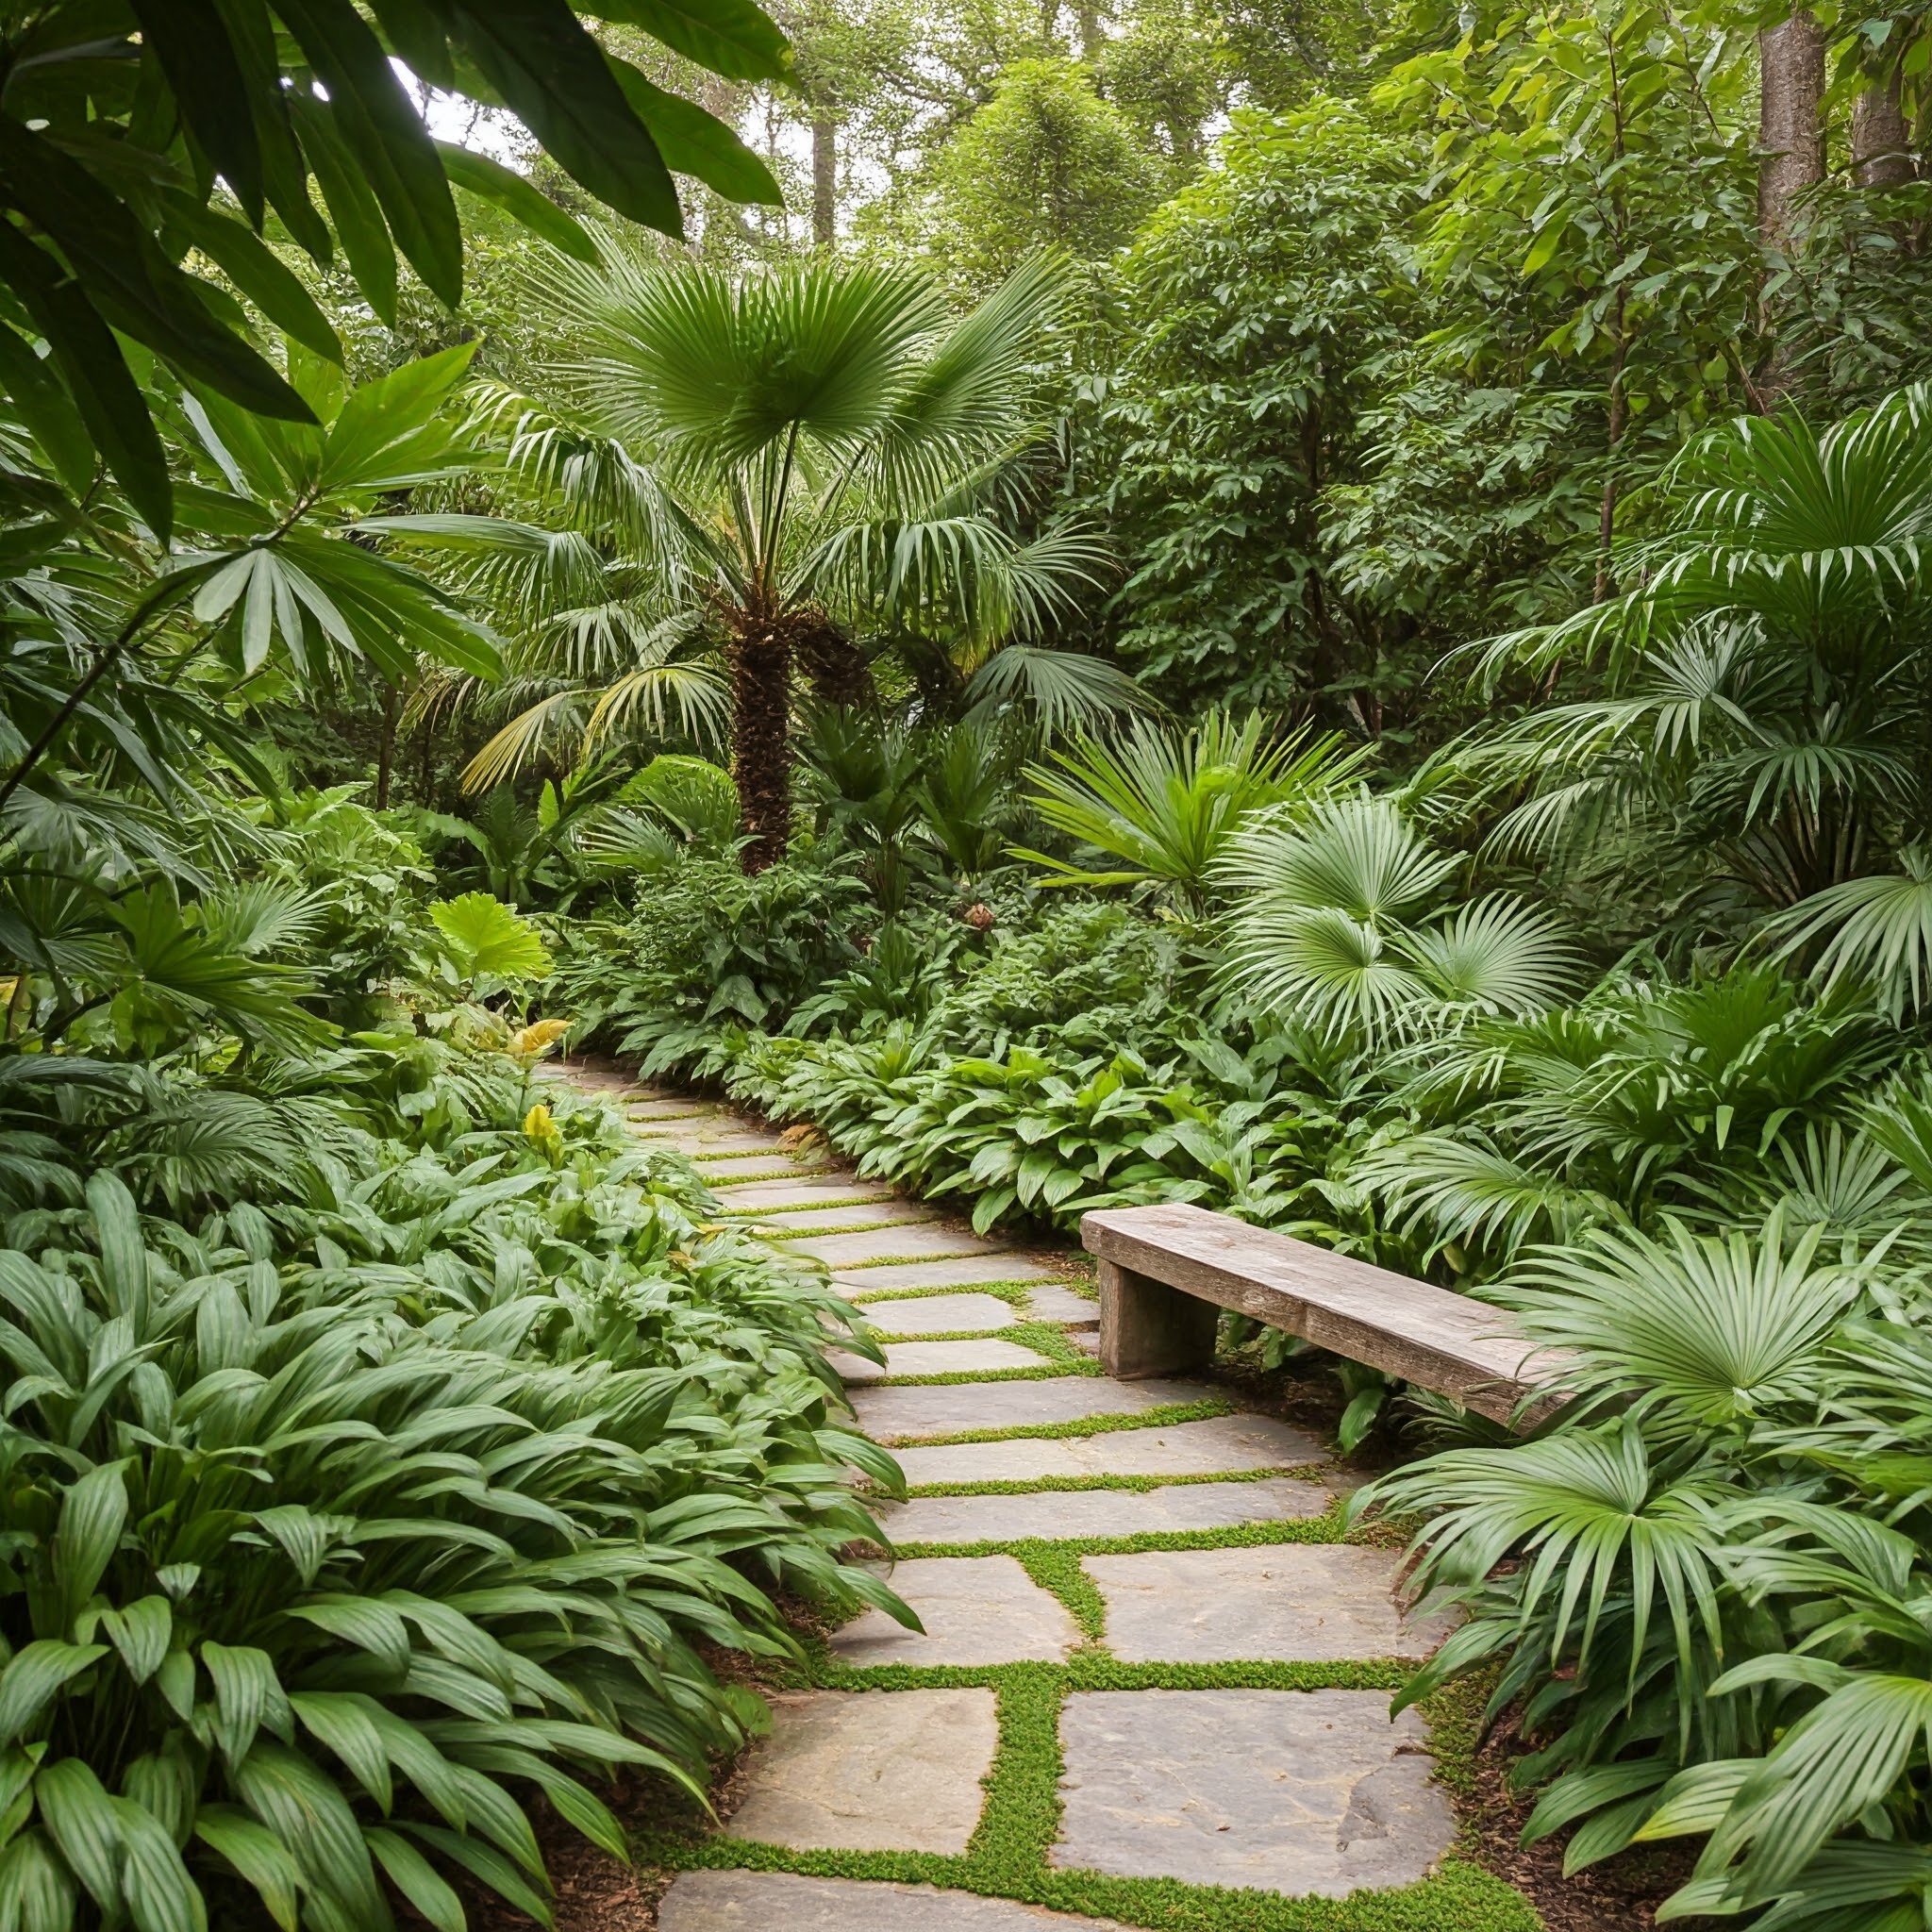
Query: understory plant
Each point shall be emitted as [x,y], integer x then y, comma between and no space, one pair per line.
[346,1504]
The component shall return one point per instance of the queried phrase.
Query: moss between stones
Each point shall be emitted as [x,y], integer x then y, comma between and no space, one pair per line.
[1013,1292]
[1008,1854]
[1161,1418]
[1139,1484]
[1047,1371]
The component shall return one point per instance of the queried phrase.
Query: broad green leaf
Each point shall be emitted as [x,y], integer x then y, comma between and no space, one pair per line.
[518,198]
[33,1674]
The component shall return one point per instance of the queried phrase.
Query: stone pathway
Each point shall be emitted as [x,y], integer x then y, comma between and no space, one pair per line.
[1147,1657]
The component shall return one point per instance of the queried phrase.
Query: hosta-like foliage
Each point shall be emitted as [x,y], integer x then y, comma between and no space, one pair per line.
[328,1528]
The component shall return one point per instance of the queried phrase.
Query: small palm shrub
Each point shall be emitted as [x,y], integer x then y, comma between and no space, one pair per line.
[334,1523]
[1712,1614]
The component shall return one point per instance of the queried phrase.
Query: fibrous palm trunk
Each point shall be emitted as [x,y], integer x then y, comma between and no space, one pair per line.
[836,666]
[759,656]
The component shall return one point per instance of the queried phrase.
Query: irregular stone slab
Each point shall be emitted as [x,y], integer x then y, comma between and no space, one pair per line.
[1293,1603]
[1215,1447]
[1295,1791]
[975,1609]
[893,1244]
[785,1223]
[833,1191]
[963,1271]
[1053,1302]
[898,1415]
[1059,1513]
[696,1146]
[941,1314]
[643,1107]
[869,1770]
[775,1165]
[937,1359]
[783,1902]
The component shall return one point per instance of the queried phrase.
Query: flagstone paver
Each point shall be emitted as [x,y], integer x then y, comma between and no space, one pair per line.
[832,1189]
[785,1901]
[861,1772]
[1069,1513]
[975,1609]
[785,1223]
[903,1415]
[1296,1792]
[1288,1790]
[941,1314]
[958,1271]
[1298,1602]
[893,1244]
[1216,1447]
[938,1358]
[1050,1302]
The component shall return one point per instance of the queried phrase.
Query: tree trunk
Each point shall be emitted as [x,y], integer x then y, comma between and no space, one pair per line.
[1790,160]
[1791,136]
[1092,42]
[1619,412]
[760,654]
[1881,142]
[836,666]
[824,182]
[386,744]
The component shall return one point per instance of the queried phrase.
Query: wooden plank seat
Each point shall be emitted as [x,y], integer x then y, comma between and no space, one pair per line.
[1167,1272]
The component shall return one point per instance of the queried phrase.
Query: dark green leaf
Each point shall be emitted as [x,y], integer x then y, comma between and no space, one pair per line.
[381,128]
[97,377]
[191,40]
[730,37]
[127,277]
[48,411]
[255,269]
[352,207]
[517,198]
[553,75]
[695,143]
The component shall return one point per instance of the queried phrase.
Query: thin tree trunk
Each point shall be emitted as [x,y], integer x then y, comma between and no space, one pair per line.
[1881,142]
[1091,40]
[1790,136]
[1619,414]
[760,654]
[824,182]
[1790,142]
[386,744]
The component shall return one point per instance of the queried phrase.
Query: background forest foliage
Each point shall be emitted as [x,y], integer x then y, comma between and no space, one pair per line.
[1315,612]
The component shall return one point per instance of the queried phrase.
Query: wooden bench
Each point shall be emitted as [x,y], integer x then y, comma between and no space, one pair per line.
[1166,1273]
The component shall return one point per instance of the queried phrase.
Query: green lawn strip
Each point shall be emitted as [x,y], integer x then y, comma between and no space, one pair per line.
[1141,1485]
[1006,1334]
[1007,1857]
[1161,1418]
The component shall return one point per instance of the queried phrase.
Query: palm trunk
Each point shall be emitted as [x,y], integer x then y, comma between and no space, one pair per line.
[836,666]
[1790,142]
[760,654]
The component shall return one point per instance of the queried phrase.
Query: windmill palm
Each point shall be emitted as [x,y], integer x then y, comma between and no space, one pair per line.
[1754,703]
[787,463]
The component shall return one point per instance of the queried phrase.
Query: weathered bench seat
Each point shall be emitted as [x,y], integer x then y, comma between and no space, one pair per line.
[1167,1272]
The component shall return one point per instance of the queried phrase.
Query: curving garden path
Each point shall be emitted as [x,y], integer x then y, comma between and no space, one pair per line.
[1154,1680]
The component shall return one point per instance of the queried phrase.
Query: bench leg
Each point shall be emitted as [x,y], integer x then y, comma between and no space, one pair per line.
[1148,1328]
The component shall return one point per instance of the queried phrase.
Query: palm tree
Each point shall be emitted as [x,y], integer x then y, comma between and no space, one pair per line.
[782,464]
[1755,704]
